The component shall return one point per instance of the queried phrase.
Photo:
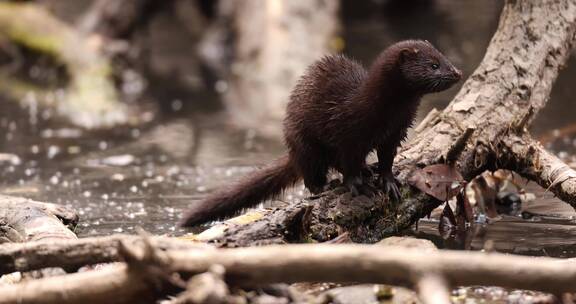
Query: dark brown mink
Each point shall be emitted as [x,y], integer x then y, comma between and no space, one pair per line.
[338,113]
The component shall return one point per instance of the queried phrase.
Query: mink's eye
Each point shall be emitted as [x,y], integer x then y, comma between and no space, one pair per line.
[435,66]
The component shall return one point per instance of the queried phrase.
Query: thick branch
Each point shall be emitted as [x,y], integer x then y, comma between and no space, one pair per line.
[433,289]
[526,156]
[304,263]
[373,264]
[114,284]
[531,45]
[77,253]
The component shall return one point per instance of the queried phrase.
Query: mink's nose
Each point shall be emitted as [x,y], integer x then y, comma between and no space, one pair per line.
[456,72]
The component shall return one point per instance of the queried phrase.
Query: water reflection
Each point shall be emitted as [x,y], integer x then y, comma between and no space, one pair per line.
[540,236]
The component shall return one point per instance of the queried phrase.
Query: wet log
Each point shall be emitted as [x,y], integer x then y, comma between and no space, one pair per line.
[110,285]
[525,155]
[144,276]
[73,254]
[497,102]
[377,264]
[24,220]
[503,96]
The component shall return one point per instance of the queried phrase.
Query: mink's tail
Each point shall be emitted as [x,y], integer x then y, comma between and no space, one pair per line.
[257,187]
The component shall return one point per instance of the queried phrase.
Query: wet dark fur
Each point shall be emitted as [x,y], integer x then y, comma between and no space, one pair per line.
[337,114]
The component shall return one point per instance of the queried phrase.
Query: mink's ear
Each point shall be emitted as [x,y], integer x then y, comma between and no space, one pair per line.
[408,53]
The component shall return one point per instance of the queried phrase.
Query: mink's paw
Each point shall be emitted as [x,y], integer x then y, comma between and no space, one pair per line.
[315,190]
[357,186]
[353,184]
[390,186]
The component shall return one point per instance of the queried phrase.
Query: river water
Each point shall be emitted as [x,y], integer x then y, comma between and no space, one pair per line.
[145,177]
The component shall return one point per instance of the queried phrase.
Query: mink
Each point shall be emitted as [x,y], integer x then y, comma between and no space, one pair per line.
[338,113]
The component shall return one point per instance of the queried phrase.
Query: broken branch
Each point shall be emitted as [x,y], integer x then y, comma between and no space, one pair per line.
[526,156]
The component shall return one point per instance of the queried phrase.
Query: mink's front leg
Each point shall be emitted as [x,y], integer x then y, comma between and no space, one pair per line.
[386,153]
[351,166]
[390,185]
[356,177]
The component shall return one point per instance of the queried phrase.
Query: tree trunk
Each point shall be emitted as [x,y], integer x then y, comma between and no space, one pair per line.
[273,42]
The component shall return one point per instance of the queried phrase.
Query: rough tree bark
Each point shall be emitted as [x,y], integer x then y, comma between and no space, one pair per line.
[497,102]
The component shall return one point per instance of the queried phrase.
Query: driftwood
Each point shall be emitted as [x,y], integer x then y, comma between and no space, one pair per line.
[374,264]
[110,285]
[87,251]
[483,128]
[524,154]
[24,220]
[150,273]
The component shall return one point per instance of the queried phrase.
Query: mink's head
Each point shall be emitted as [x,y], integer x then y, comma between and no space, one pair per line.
[424,68]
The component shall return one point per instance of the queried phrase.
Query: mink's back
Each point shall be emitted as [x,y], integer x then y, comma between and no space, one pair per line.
[323,94]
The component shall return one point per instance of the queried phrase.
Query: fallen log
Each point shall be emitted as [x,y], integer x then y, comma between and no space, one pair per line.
[525,155]
[111,285]
[25,220]
[73,254]
[374,264]
[142,278]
